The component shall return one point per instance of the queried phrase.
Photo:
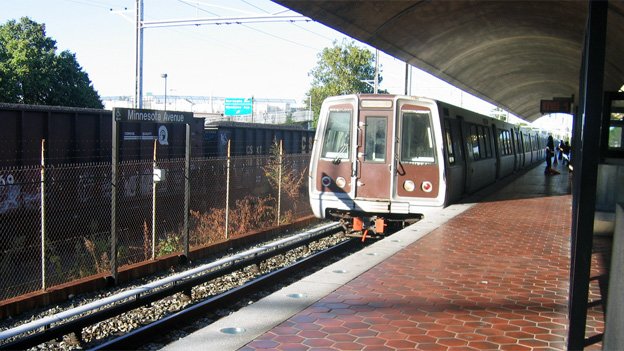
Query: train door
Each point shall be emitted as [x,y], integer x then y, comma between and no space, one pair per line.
[498,152]
[515,149]
[374,162]
[456,166]
[419,165]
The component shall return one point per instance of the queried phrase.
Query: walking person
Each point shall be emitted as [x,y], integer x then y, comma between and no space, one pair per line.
[560,151]
[550,149]
[566,153]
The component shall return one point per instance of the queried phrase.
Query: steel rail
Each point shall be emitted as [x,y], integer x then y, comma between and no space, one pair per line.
[56,325]
[137,337]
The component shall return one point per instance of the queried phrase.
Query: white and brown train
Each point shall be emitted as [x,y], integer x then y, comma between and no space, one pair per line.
[380,158]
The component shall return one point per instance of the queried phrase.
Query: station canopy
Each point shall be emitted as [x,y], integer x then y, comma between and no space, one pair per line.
[510,53]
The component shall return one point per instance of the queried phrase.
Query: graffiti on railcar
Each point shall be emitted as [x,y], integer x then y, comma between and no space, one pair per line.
[9,193]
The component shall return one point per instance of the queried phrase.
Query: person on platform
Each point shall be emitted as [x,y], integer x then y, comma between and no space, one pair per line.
[560,150]
[566,153]
[550,149]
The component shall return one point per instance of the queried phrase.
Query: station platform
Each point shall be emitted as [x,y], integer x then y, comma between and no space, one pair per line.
[491,273]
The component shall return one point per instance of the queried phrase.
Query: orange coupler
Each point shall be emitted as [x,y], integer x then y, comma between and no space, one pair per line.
[380,225]
[358,224]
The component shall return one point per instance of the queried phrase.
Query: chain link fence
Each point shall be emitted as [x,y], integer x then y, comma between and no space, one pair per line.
[55,221]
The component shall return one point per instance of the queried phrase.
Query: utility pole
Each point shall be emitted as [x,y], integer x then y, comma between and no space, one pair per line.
[376,71]
[138,90]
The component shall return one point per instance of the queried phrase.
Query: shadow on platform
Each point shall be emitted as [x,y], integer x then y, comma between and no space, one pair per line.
[527,184]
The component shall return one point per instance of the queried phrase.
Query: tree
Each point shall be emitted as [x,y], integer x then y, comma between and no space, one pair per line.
[341,69]
[31,72]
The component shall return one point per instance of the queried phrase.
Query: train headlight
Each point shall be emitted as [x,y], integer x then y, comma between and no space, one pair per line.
[326,181]
[409,185]
[341,182]
[426,186]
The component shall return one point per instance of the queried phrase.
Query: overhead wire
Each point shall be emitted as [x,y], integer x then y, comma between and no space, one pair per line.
[247,26]
[94,3]
[90,3]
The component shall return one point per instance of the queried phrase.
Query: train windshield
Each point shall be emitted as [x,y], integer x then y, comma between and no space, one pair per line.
[337,135]
[417,137]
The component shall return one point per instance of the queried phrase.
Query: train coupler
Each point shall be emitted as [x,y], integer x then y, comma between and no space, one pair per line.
[374,228]
[358,224]
[380,225]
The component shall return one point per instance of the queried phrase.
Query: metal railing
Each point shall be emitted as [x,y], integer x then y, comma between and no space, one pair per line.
[55,221]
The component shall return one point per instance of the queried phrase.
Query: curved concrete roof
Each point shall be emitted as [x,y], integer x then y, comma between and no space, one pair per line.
[510,53]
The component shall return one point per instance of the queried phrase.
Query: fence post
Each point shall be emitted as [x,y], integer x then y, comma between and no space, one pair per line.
[279,184]
[187,189]
[114,178]
[227,194]
[43,218]
[154,204]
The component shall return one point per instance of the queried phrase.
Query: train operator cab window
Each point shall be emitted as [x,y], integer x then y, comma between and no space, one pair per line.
[375,150]
[417,137]
[337,135]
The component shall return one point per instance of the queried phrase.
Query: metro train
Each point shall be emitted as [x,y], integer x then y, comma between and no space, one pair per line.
[379,159]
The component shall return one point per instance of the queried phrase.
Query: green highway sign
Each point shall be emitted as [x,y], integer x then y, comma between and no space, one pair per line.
[238,106]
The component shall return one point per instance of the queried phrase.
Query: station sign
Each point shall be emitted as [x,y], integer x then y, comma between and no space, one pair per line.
[556,105]
[155,116]
[238,106]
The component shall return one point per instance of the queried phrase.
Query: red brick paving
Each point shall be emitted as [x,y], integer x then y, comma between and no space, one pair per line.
[493,278]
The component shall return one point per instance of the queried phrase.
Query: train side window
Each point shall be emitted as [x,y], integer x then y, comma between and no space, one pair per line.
[482,142]
[337,135]
[537,143]
[417,143]
[449,142]
[504,142]
[615,137]
[482,145]
[375,150]
[616,124]
[488,141]
[474,141]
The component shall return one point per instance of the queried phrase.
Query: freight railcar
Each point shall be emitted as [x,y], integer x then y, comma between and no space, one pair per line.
[78,135]
[254,138]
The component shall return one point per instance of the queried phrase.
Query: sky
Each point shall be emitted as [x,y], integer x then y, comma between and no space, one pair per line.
[265,60]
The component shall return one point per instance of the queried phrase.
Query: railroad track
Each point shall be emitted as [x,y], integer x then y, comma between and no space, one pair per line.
[75,320]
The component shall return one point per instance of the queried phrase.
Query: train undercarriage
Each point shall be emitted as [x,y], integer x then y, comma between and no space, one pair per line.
[371,226]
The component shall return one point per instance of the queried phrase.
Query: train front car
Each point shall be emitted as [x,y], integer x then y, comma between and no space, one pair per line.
[376,158]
